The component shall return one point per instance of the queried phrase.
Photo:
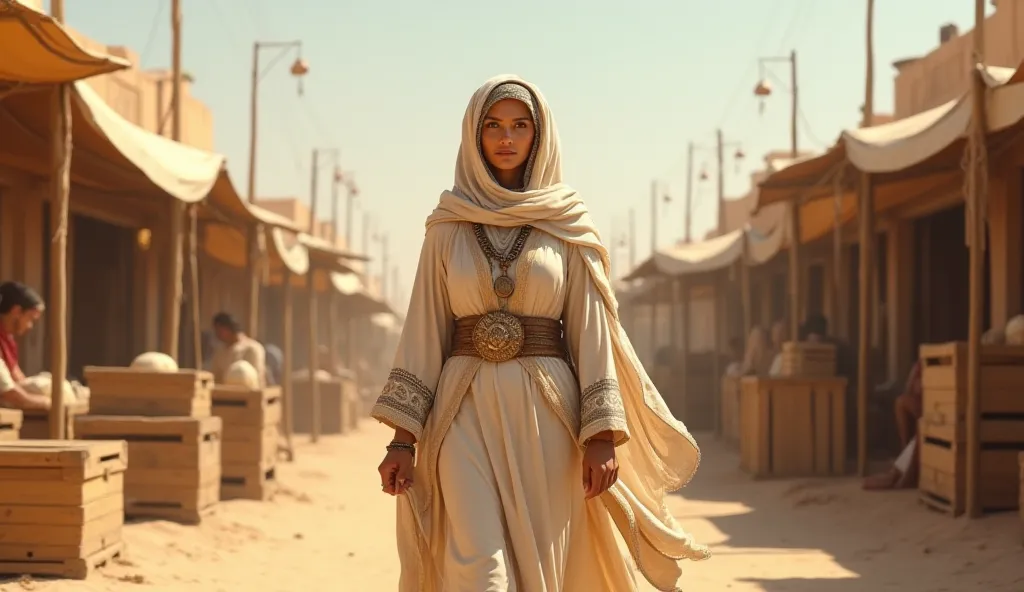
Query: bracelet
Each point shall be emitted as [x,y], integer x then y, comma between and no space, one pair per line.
[394,445]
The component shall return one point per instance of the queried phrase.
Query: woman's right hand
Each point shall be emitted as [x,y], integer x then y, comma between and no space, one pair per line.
[396,471]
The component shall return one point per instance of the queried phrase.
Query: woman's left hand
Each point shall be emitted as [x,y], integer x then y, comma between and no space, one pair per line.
[600,469]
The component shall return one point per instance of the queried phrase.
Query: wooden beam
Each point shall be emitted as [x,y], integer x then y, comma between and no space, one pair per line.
[867,263]
[287,382]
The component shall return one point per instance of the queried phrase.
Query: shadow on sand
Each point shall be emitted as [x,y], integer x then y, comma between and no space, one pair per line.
[876,540]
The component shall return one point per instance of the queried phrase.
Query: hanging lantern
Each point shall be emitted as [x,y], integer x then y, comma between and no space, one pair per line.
[763,88]
[667,198]
[703,174]
[299,70]
[338,175]
[740,155]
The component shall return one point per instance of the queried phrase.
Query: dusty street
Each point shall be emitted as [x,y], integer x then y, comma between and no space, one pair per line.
[331,529]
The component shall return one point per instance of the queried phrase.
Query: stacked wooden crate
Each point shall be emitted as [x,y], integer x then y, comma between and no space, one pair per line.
[943,429]
[37,422]
[10,424]
[249,448]
[792,427]
[174,441]
[61,506]
[805,359]
[335,408]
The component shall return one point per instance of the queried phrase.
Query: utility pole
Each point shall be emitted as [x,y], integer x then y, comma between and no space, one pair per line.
[632,239]
[720,155]
[351,193]
[335,183]
[384,265]
[175,265]
[654,217]
[314,173]
[688,206]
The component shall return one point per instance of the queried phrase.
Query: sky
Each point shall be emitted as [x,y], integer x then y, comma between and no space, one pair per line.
[629,84]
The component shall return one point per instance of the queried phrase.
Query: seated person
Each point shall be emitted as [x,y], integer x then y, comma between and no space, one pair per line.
[735,367]
[235,345]
[275,364]
[908,408]
[20,308]
[815,330]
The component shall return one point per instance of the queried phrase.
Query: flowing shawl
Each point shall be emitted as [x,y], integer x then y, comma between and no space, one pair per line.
[661,456]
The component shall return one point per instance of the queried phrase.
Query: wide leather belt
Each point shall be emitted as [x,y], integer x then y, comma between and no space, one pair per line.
[501,336]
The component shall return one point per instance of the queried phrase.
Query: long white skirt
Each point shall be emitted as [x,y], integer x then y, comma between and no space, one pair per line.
[516,518]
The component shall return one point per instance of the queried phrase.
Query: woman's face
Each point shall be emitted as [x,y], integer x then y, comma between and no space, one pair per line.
[507,135]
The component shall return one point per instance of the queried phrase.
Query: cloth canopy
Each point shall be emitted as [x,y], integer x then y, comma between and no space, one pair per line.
[37,50]
[898,145]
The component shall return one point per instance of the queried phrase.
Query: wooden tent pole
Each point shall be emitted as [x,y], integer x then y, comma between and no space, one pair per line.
[314,384]
[867,261]
[58,305]
[60,190]
[255,273]
[193,264]
[795,264]
[977,187]
[287,385]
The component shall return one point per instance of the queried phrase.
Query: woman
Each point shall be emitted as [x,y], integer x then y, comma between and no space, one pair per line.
[757,361]
[517,483]
[20,308]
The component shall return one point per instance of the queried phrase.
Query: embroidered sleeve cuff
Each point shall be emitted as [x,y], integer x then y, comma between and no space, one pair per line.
[601,410]
[404,403]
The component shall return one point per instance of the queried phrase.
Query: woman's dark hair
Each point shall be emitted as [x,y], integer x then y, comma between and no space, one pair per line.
[18,294]
[223,319]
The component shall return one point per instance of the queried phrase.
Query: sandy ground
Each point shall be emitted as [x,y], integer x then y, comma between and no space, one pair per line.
[331,530]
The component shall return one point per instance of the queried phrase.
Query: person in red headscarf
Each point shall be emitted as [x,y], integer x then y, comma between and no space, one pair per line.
[20,308]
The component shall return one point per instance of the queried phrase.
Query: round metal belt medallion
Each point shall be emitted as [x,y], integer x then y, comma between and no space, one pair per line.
[498,337]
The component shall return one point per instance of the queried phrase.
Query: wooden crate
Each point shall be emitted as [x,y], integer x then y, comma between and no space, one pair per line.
[943,427]
[805,359]
[176,463]
[793,427]
[61,506]
[731,408]
[241,408]
[249,448]
[124,391]
[334,406]
[1020,510]
[37,422]
[248,482]
[11,421]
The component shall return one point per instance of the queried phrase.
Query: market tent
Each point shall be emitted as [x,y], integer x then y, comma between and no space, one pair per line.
[46,53]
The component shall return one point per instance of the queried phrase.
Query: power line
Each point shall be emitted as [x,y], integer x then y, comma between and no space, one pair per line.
[151,38]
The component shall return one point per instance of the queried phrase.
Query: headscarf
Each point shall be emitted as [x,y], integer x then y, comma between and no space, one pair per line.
[661,455]
[517,92]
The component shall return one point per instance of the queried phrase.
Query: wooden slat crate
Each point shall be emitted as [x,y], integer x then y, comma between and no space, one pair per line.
[128,392]
[943,427]
[37,422]
[11,421]
[731,408]
[804,359]
[1020,510]
[333,407]
[793,427]
[61,506]
[249,447]
[176,463]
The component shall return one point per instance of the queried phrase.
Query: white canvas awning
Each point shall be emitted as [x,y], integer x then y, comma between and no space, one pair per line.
[183,172]
[709,255]
[900,144]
